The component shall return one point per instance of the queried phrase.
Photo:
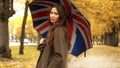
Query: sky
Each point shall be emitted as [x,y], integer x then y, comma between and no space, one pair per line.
[19,9]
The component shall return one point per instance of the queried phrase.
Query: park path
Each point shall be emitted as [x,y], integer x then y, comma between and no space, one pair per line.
[100,56]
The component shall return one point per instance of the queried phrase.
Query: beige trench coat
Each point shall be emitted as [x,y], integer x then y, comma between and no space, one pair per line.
[55,56]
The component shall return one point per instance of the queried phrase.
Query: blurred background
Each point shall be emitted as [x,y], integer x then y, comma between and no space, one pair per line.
[104,17]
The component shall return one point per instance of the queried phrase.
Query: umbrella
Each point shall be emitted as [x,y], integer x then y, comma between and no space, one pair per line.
[78,25]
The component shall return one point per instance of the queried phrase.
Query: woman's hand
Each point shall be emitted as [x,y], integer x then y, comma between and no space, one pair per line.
[42,41]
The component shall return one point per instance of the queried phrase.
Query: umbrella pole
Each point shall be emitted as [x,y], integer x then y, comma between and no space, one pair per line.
[84,53]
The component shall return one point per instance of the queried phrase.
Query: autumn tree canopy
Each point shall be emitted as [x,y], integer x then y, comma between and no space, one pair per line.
[102,14]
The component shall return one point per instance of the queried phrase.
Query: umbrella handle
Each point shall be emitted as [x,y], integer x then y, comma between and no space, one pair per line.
[84,53]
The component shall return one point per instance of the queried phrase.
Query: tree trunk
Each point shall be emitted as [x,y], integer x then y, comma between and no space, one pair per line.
[112,38]
[4,40]
[23,29]
[6,10]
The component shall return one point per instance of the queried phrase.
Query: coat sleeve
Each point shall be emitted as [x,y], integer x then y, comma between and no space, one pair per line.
[60,46]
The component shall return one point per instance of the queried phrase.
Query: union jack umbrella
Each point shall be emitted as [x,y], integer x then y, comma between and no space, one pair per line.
[78,25]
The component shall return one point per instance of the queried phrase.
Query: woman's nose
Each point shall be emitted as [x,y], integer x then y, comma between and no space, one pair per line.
[53,15]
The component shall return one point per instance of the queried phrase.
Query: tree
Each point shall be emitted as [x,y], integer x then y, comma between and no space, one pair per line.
[104,17]
[6,11]
[23,29]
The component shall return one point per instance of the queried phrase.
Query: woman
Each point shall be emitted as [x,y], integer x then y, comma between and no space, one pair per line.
[55,53]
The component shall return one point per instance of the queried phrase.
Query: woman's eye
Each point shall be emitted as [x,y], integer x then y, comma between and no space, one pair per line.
[51,12]
[56,13]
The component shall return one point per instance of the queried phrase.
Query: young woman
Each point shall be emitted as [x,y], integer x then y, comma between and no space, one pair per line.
[55,53]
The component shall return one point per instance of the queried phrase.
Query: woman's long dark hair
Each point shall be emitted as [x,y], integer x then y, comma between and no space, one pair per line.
[60,22]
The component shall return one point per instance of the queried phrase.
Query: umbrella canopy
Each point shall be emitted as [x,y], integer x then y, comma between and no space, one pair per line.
[78,25]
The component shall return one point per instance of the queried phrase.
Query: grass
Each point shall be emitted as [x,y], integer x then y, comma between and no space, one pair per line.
[100,56]
[28,60]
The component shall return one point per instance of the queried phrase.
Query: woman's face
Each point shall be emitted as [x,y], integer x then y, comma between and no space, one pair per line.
[54,15]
